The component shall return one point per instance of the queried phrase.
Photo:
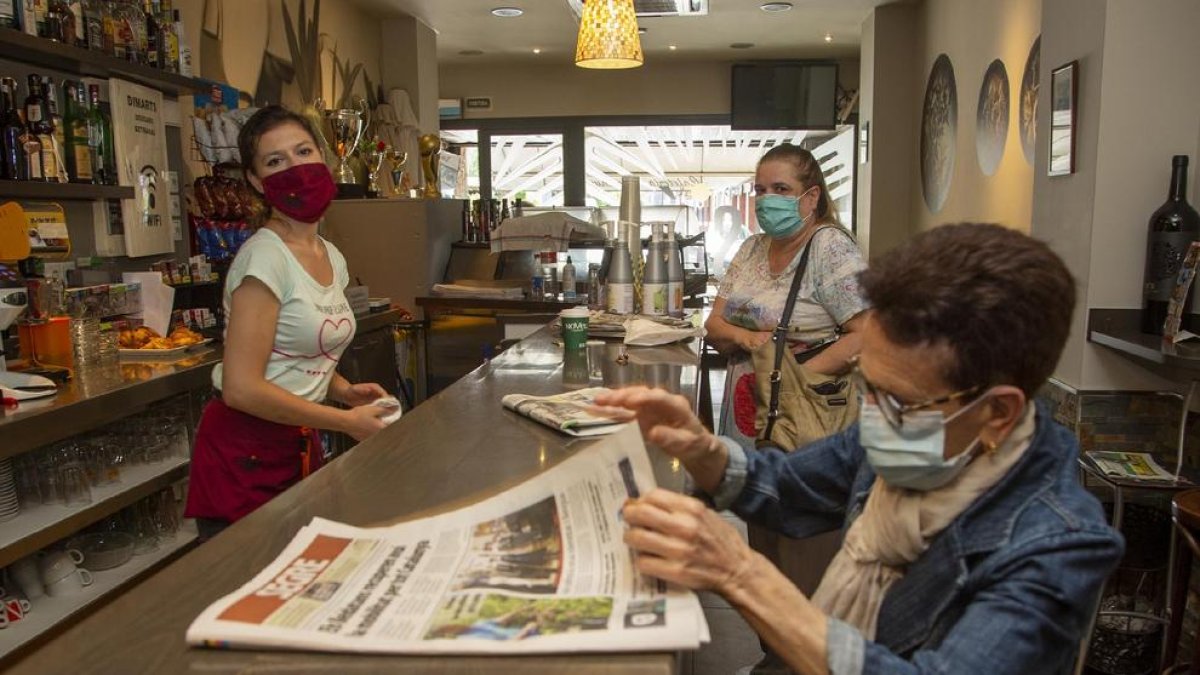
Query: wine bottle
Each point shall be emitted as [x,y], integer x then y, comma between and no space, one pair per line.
[58,134]
[78,149]
[1173,228]
[12,130]
[39,127]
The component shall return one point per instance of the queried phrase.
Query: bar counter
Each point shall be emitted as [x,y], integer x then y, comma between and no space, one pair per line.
[455,448]
[97,396]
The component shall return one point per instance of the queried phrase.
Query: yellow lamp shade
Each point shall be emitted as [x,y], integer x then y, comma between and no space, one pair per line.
[608,35]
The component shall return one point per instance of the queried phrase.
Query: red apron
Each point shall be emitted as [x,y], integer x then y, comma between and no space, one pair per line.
[241,462]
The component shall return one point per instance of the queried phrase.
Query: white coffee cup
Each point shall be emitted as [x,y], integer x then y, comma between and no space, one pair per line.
[26,576]
[72,584]
[58,564]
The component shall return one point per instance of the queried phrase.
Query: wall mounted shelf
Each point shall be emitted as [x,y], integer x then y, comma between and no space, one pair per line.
[36,51]
[27,189]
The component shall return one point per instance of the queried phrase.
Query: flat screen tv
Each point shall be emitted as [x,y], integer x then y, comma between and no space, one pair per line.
[784,95]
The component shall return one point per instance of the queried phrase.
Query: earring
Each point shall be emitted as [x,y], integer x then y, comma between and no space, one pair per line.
[990,446]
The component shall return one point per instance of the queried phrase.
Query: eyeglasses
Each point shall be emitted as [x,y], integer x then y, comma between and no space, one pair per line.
[892,408]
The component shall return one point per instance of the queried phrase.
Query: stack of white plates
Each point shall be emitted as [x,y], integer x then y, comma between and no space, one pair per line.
[9,505]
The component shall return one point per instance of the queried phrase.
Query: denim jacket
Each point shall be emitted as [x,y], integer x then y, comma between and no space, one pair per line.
[1009,586]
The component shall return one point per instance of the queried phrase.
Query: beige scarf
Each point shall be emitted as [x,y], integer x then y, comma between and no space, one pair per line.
[896,527]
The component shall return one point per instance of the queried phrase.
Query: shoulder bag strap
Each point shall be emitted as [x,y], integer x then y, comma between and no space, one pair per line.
[779,335]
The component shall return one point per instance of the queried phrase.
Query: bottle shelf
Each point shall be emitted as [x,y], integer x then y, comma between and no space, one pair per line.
[28,189]
[19,46]
[46,612]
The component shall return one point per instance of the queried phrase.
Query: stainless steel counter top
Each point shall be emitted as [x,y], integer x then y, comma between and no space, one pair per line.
[459,446]
[97,396]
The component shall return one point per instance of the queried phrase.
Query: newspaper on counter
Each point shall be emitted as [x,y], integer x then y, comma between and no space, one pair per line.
[539,568]
[564,412]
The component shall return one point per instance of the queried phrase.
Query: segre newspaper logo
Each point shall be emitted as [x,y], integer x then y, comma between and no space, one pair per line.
[294,579]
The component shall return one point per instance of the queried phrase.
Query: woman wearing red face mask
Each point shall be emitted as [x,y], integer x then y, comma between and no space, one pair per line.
[287,324]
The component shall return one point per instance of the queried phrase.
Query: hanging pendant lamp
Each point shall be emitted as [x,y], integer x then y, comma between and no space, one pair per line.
[608,35]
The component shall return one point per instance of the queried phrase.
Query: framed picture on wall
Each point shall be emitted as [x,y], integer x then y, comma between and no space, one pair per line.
[1063,118]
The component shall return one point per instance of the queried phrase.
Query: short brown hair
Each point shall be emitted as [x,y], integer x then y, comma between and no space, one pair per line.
[1000,300]
[808,171]
[266,119]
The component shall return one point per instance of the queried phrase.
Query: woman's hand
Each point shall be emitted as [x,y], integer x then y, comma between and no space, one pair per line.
[667,420]
[362,422]
[750,340]
[362,393]
[680,540]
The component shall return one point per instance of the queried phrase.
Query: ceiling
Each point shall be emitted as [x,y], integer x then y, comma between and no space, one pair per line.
[551,26]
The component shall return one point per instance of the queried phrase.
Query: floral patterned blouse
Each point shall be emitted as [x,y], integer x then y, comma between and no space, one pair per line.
[829,293]
[754,298]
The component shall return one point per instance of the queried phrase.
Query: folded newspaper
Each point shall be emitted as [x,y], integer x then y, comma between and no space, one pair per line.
[1135,465]
[565,412]
[539,568]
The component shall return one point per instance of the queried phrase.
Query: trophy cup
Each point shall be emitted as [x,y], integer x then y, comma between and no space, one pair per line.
[396,158]
[347,127]
[431,144]
[374,154]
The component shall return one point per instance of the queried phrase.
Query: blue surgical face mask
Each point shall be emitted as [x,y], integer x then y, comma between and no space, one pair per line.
[913,456]
[779,215]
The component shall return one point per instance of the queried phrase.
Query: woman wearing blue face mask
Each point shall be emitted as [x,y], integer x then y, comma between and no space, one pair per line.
[794,211]
[970,546]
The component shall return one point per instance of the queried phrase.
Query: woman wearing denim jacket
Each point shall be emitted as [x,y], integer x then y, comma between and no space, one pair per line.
[970,546]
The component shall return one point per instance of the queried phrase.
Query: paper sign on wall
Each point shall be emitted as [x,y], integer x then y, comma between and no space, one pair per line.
[141,149]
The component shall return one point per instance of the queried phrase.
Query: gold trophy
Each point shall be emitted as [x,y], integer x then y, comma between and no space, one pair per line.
[396,159]
[431,144]
[374,154]
[347,126]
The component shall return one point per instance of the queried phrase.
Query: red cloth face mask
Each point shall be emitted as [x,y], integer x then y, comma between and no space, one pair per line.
[302,192]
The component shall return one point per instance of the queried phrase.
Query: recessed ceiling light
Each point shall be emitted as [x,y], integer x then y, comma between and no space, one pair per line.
[741,45]
[775,6]
[829,37]
[537,50]
[671,47]
[508,12]
[471,52]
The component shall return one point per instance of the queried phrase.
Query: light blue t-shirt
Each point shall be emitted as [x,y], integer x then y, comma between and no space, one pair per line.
[315,322]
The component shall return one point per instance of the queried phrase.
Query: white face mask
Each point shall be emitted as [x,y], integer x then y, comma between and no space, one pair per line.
[912,457]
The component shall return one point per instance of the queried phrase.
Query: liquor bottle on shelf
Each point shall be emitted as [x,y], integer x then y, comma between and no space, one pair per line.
[1173,228]
[466,220]
[100,125]
[38,123]
[169,43]
[78,150]
[54,114]
[126,17]
[79,37]
[35,17]
[33,155]
[152,42]
[93,26]
[60,22]
[12,132]
[185,51]
[8,14]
